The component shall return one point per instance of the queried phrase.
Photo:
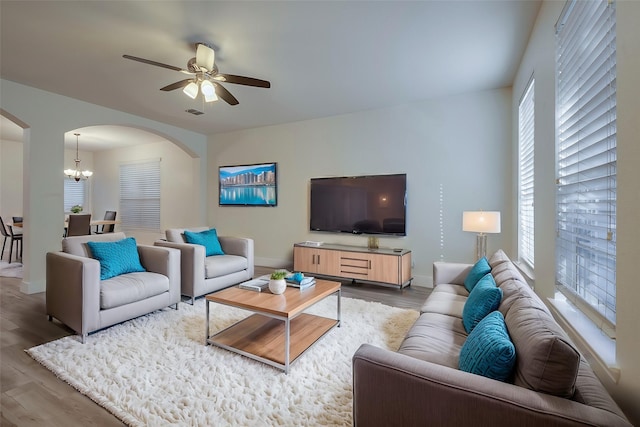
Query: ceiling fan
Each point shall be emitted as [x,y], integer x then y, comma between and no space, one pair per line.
[205,77]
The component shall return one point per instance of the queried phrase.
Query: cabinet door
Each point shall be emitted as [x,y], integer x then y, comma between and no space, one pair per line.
[304,259]
[314,260]
[385,268]
[327,262]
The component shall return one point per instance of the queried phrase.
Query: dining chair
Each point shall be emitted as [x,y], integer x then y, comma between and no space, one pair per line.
[7,233]
[79,225]
[111,216]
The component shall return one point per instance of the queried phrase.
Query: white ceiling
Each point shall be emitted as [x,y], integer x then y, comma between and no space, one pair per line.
[322,58]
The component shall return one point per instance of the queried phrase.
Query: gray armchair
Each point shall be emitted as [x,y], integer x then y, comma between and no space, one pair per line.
[201,275]
[78,298]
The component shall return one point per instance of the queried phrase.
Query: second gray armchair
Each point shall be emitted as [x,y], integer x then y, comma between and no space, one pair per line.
[201,274]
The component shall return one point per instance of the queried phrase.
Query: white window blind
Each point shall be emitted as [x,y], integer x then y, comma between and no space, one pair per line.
[586,153]
[526,121]
[140,195]
[75,193]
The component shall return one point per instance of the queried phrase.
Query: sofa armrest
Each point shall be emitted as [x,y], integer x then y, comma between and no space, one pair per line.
[165,261]
[450,272]
[73,291]
[240,246]
[392,389]
[192,257]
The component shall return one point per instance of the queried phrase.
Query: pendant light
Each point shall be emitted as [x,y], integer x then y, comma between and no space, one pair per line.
[77,174]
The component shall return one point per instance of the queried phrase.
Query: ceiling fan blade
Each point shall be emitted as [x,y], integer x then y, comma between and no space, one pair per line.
[241,80]
[225,94]
[176,85]
[157,64]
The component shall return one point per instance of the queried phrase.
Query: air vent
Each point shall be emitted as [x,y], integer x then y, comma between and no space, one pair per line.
[194,112]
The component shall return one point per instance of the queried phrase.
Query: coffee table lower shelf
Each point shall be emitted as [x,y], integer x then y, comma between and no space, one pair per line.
[263,338]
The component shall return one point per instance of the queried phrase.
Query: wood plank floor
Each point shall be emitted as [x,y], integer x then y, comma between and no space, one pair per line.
[33,396]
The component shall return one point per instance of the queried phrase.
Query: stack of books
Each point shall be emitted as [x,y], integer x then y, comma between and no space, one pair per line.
[258,285]
[299,281]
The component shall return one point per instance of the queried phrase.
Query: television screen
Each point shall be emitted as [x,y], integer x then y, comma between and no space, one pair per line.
[374,204]
[248,185]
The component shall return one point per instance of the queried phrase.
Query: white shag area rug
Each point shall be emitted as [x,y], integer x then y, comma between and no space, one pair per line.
[13,269]
[156,371]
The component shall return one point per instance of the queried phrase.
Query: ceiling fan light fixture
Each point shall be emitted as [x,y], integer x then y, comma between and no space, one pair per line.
[209,91]
[191,90]
[205,57]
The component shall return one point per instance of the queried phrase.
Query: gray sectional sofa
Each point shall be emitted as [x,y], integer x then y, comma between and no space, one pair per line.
[421,383]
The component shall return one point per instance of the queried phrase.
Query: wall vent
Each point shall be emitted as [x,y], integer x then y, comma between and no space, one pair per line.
[194,112]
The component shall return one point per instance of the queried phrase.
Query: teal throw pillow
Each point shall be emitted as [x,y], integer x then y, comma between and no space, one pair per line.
[117,257]
[207,238]
[479,270]
[483,299]
[488,350]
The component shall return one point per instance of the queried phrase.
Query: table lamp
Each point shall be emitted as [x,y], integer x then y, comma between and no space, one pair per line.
[482,223]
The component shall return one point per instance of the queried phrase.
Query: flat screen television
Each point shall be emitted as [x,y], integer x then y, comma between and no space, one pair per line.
[372,204]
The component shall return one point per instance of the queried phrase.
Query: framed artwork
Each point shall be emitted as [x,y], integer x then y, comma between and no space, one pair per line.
[248,185]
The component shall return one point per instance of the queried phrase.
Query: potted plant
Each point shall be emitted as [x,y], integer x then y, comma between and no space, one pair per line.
[76,209]
[277,284]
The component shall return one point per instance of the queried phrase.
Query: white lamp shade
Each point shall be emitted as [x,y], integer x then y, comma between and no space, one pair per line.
[191,90]
[209,91]
[205,57]
[481,222]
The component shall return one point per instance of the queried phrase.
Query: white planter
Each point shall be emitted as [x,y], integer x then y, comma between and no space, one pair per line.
[277,286]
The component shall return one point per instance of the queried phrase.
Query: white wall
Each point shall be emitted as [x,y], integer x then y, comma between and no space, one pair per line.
[460,145]
[47,117]
[10,179]
[539,60]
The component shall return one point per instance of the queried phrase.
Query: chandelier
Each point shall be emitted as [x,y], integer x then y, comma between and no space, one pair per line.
[77,174]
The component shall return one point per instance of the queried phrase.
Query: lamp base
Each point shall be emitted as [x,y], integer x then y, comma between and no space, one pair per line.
[481,246]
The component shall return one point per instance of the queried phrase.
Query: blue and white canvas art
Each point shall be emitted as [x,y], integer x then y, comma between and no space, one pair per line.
[248,185]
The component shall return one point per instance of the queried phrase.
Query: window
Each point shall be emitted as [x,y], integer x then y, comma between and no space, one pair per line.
[526,121]
[75,193]
[140,195]
[586,155]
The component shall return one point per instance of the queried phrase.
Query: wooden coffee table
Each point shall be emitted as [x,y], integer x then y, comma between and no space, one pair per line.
[280,331]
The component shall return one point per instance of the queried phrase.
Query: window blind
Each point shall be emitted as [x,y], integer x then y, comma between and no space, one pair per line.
[526,121]
[74,193]
[140,195]
[586,153]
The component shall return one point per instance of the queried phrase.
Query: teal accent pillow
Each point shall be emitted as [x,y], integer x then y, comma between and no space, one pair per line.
[117,257]
[488,350]
[483,299]
[207,238]
[479,270]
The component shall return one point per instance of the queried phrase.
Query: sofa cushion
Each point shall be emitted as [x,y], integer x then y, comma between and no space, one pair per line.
[498,258]
[444,303]
[131,287]
[77,245]
[116,258]
[221,265]
[435,338]
[488,351]
[546,360]
[483,299]
[479,269]
[207,238]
